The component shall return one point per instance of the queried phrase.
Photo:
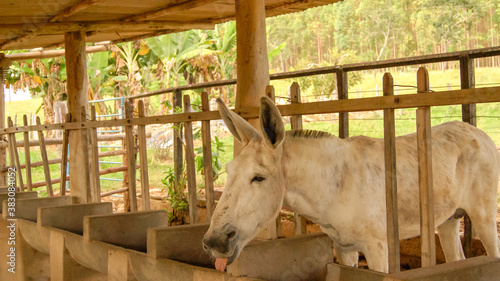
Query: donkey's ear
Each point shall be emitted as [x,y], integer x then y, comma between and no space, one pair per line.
[271,123]
[239,127]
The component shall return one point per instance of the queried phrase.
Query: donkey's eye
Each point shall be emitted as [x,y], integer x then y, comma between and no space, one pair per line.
[258,179]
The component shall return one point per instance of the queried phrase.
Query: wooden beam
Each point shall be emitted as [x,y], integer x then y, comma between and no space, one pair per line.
[27,156]
[73,10]
[45,160]
[94,169]
[453,97]
[467,81]
[190,165]
[4,64]
[141,135]
[52,53]
[300,221]
[391,194]
[424,149]
[131,159]
[342,92]
[76,68]
[14,156]
[64,156]
[177,140]
[207,158]
[169,9]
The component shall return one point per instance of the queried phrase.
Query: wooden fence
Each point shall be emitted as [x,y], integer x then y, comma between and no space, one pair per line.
[467,97]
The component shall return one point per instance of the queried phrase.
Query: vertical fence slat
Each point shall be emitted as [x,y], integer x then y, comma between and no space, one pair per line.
[131,158]
[96,180]
[390,179]
[207,158]
[190,165]
[27,156]
[424,148]
[45,161]
[143,154]
[64,156]
[296,124]
[343,95]
[467,81]
[86,158]
[14,155]
[271,94]
[177,139]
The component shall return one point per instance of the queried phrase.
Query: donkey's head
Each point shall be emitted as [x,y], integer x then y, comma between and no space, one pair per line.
[255,184]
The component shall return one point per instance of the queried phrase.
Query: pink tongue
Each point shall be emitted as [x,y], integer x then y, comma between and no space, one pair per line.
[220,264]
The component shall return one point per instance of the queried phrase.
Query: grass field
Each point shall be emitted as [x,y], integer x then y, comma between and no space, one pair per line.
[370,124]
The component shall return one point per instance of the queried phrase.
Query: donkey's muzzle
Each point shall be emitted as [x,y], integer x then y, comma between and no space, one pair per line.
[220,241]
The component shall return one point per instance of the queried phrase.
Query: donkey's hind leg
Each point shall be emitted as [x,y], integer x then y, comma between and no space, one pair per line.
[450,239]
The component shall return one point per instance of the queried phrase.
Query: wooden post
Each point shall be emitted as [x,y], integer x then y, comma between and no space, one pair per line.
[27,156]
[467,81]
[143,153]
[207,158]
[64,157]
[190,165]
[76,68]
[391,194]
[4,64]
[131,158]
[424,148]
[177,140]
[86,156]
[342,91]
[296,124]
[14,156]
[45,160]
[94,143]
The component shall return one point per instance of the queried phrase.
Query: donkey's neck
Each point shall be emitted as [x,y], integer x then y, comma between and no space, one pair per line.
[311,166]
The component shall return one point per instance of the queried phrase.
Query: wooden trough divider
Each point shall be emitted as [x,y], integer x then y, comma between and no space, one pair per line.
[190,165]
[14,155]
[296,124]
[27,156]
[43,151]
[276,232]
[64,156]
[424,149]
[131,158]
[143,153]
[391,194]
[94,169]
[207,158]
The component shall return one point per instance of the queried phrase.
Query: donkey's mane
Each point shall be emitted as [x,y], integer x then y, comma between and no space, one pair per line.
[308,134]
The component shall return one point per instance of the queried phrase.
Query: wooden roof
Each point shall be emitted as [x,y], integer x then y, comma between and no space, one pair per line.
[28,24]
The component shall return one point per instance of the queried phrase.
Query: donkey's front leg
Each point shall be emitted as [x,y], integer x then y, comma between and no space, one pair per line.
[376,254]
[347,257]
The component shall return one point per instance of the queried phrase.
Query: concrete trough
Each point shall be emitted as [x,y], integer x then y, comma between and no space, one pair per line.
[18,195]
[70,217]
[127,230]
[303,257]
[180,243]
[28,208]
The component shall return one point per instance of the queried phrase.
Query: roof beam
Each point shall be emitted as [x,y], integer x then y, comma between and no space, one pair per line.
[51,53]
[73,10]
[177,7]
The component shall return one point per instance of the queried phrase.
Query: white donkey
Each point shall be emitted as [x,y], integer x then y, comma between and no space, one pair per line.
[339,184]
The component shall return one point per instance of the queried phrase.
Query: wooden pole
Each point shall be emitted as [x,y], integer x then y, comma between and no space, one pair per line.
[14,156]
[424,148]
[467,81]
[64,156]
[296,124]
[390,179]
[177,140]
[131,158]
[207,158]
[143,153]
[86,148]
[342,92]
[190,165]
[43,151]
[27,156]
[96,179]
[3,151]
[76,68]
